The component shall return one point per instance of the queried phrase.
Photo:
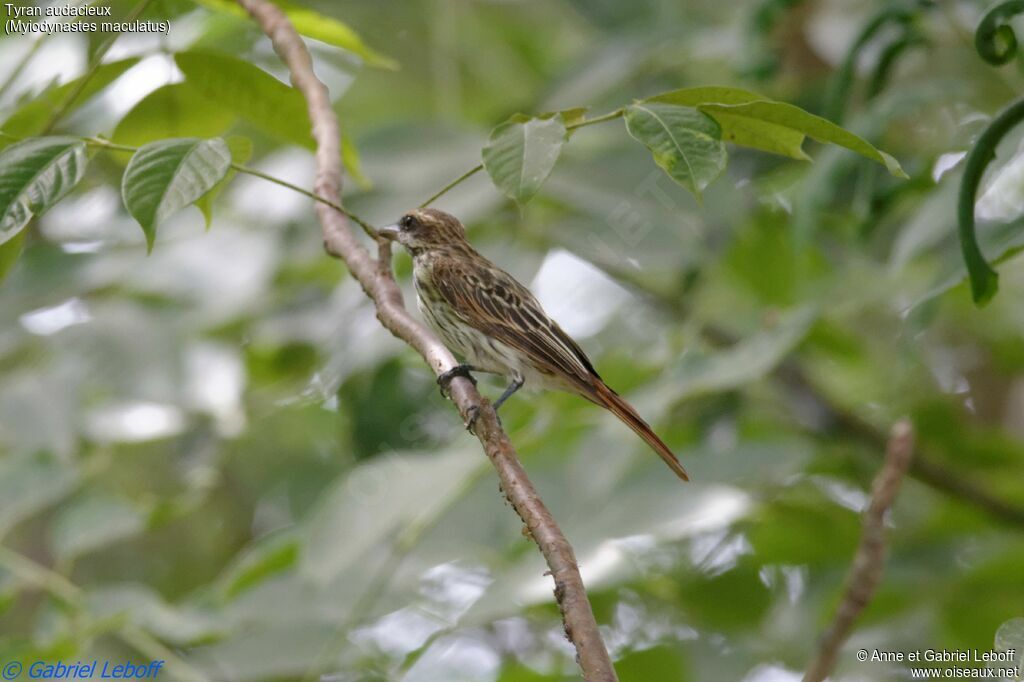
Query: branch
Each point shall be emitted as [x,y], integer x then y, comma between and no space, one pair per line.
[925,466]
[22,63]
[452,185]
[868,563]
[63,590]
[377,281]
[62,109]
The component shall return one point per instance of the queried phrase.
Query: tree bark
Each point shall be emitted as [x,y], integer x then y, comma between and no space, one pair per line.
[869,561]
[375,276]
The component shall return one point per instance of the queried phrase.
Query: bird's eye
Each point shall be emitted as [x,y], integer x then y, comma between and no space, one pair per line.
[406,222]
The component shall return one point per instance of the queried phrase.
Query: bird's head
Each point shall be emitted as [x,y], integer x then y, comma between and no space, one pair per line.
[426,229]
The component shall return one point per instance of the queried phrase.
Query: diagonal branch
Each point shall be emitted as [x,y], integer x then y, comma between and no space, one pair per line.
[925,466]
[64,107]
[377,281]
[66,592]
[868,563]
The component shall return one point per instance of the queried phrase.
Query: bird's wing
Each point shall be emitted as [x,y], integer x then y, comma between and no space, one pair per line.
[492,301]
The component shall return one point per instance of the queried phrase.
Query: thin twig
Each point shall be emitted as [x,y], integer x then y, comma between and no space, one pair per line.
[97,59]
[22,63]
[67,592]
[27,57]
[367,228]
[451,185]
[378,283]
[925,465]
[869,561]
[610,116]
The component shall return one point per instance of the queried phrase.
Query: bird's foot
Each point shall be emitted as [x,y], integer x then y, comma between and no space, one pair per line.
[472,416]
[445,380]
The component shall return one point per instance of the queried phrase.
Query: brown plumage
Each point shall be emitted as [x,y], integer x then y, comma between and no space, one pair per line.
[496,325]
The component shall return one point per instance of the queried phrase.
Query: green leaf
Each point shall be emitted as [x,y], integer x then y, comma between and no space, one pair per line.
[521,152]
[32,117]
[350,157]
[240,148]
[249,92]
[10,251]
[95,522]
[984,596]
[664,662]
[175,110]
[143,607]
[241,151]
[574,116]
[281,651]
[744,362]
[751,120]
[789,116]
[685,143]
[255,565]
[375,500]
[804,527]
[333,32]
[10,586]
[739,130]
[733,600]
[317,26]
[165,177]
[518,672]
[1010,637]
[34,175]
[570,117]
[32,483]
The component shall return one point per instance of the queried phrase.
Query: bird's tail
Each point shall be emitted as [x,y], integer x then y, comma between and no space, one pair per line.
[606,397]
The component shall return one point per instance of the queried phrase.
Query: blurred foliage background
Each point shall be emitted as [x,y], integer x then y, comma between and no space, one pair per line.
[215,455]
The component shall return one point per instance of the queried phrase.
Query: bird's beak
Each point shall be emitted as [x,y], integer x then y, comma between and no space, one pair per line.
[390,232]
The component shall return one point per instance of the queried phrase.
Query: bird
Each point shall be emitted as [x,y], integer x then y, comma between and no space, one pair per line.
[495,325]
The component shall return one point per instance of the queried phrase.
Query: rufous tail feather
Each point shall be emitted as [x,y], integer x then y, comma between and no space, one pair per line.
[606,397]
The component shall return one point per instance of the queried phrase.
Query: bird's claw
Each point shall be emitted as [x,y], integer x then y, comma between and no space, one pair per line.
[474,416]
[473,413]
[445,380]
